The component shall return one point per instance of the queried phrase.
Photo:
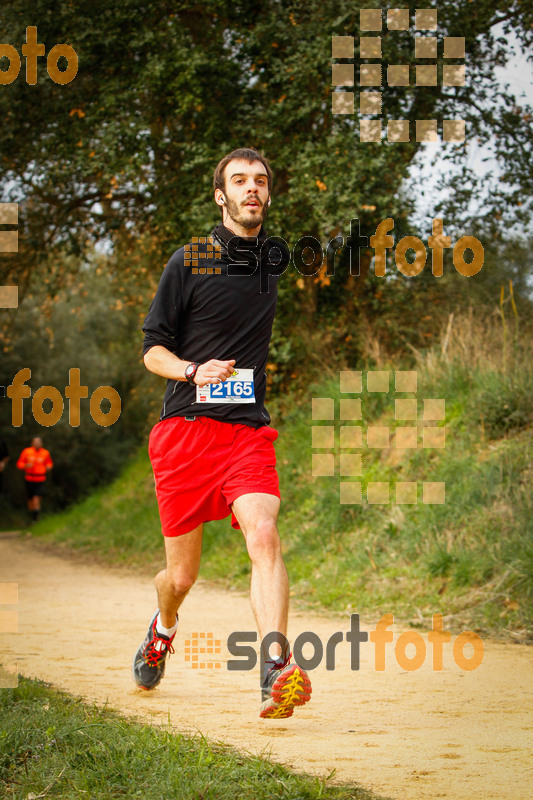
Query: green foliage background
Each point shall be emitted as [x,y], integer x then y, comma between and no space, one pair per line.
[112,173]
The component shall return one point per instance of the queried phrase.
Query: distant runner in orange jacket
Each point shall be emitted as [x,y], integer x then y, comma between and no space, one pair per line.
[36,463]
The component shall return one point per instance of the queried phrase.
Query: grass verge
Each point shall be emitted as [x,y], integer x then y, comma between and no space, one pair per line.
[53,745]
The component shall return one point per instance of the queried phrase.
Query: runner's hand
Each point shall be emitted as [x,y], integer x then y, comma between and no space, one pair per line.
[214,372]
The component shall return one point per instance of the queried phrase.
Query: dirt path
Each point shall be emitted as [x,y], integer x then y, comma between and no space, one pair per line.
[409,735]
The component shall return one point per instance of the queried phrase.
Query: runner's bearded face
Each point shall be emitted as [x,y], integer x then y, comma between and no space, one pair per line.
[247,196]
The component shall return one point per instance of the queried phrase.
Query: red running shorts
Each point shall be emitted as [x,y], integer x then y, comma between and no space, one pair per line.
[201,466]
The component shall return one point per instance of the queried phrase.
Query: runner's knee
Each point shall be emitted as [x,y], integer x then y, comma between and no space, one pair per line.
[179,583]
[262,540]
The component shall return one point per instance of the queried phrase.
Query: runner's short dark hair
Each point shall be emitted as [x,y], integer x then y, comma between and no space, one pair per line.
[246,154]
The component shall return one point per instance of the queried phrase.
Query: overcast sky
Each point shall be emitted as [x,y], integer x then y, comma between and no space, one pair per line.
[518,75]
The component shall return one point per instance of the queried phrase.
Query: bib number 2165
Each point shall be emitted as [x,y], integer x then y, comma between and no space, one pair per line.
[238,388]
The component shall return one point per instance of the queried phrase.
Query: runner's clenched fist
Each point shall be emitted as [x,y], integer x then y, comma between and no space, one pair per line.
[214,371]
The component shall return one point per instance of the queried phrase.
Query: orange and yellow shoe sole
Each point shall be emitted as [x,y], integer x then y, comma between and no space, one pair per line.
[292,688]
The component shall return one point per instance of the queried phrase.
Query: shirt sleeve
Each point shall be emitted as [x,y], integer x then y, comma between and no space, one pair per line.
[48,460]
[21,462]
[162,323]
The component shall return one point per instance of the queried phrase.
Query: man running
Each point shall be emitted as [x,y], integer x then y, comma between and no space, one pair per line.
[208,331]
[36,463]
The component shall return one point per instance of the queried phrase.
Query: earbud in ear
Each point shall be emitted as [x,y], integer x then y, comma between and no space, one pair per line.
[268,201]
[222,201]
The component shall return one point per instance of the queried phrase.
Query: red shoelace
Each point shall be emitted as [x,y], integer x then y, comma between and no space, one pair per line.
[152,655]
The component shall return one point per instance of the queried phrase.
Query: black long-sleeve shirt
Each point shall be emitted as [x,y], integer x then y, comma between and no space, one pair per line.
[203,316]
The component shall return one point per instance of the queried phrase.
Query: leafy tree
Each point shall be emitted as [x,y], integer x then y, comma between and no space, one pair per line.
[165,88]
[124,153]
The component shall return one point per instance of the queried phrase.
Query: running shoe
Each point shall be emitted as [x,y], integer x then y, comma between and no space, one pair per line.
[286,686]
[149,661]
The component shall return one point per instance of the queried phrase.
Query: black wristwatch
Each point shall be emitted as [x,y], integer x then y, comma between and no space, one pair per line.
[190,372]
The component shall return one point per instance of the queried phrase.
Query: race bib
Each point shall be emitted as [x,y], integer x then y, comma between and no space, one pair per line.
[238,388]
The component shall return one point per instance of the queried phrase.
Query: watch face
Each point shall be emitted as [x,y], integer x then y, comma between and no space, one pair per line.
[190,371]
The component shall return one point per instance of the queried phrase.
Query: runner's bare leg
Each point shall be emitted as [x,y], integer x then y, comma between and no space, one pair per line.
[173,583]
[257,514]
[35,503]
